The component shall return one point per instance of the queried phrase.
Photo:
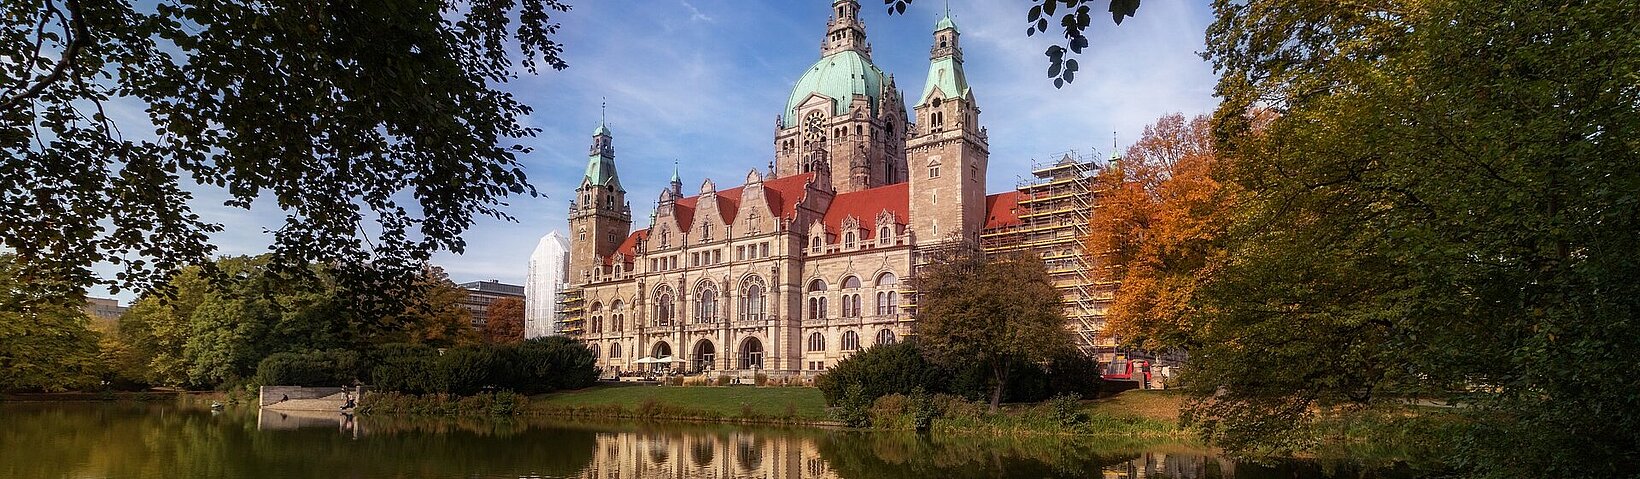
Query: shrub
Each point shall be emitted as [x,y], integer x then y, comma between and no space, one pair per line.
[310,368]
[722,381]
[405,368]
[466,370]
[1066,408]
[853,408]
[760,379]
[880,371]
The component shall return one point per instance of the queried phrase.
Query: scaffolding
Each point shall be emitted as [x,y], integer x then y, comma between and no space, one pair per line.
[571,320]
[1053,208]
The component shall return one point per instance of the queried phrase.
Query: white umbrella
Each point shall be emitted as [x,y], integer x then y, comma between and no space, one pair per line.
[645,360]
[666,359]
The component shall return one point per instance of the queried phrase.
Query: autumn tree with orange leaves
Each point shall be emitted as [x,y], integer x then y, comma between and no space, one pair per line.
[1156,228]
[505,321]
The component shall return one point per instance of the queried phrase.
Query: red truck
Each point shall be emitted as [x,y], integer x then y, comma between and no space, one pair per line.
[1122,369]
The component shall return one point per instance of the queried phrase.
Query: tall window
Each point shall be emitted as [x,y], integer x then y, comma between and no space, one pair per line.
[614,350]
[884,235]
[751,299]
[817,299]
[663,306]
[814,244]
[851,297]
[817,342]
[848,240]
[888,296]
[617,314]
[705,303]
[597,314]
[851,341]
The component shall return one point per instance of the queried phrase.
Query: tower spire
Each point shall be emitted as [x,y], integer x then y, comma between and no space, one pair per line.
[845,31]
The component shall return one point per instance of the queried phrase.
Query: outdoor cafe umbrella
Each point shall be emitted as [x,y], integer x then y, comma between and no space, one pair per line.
[646,360]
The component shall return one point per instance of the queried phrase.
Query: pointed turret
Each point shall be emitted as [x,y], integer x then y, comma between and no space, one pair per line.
[845,31]
[949,151]
[600,217]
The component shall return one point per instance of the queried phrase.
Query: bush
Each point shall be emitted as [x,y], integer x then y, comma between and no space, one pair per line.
[1067,409]
[534,366]
[405,368]
[310,368]
[853,408]
[880,371]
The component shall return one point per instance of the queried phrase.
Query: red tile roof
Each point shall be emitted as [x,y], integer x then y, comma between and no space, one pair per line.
[782,193]
[1002,210]
[866,204]
[628,248]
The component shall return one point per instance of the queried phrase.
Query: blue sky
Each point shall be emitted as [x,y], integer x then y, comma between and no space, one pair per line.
[701,82]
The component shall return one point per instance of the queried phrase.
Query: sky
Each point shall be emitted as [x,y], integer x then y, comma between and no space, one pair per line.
[700,83]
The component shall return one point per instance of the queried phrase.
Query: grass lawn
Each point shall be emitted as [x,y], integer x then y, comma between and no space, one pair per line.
[1160,405]
[728,401]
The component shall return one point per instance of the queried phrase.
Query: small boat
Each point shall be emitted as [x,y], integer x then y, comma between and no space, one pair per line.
[216,406]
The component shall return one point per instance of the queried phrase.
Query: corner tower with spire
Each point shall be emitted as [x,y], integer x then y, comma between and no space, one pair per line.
[844,115]
[599,216]
[948,151]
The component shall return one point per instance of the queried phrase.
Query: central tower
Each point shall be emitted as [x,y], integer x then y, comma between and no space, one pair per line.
[844,115]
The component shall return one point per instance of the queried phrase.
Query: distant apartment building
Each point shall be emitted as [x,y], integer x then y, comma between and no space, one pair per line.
[104,309]
[481,293]
[544,284]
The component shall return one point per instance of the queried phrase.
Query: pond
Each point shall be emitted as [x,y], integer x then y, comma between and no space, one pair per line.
[154,440]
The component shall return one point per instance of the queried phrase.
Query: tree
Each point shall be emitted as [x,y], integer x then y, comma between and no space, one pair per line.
[1077,16]
[436,317]
[1444,206]
[1162,213]
[337,113]
[44,341]
[504,321]
[994,313]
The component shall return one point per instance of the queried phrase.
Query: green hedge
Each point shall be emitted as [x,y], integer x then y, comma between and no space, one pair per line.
[534,366]
[310,368]
[902,369]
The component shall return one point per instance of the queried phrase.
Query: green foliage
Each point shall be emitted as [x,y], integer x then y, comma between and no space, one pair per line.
[44,343]
[854,407]
[1441,202]
[992,312]
[310,368]
[879,371]
[535,366]
[311,110]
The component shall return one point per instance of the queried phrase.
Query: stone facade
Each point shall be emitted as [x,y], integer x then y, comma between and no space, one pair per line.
[800,267]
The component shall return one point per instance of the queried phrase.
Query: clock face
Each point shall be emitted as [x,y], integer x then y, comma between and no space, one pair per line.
[816,128]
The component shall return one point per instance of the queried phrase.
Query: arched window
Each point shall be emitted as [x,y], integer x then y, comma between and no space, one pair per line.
[817,342]
[617,315]
[851,341]
[594,351]
[885,337]
[705,303]
[663,306]
[752,299]
[817,299]
[888,295]
[885,235]
[597,321]
[815,243]
[848,239]
[851,297]
[614,350]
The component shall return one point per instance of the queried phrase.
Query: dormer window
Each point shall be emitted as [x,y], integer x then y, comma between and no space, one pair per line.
[884,235]
[848,240]
[705,232]
[815,243]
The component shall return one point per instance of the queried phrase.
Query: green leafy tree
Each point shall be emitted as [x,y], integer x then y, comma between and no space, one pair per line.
[44,340]
[1445,206]
[996,313]
[378,127]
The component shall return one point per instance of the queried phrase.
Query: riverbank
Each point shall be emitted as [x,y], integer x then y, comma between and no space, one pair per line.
[1139,414]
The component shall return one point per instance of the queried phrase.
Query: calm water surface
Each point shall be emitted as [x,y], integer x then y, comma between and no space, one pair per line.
[114,440]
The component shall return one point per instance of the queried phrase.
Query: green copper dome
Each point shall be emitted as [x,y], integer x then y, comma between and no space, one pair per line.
[602,130]
[838,76]
[945,22]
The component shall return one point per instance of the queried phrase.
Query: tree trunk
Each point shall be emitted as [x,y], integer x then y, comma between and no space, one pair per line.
[999,374]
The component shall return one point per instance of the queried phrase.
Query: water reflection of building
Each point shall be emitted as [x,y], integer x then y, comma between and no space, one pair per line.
[728,454]
[1159,465]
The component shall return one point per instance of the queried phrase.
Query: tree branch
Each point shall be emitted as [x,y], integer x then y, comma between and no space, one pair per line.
[76,42]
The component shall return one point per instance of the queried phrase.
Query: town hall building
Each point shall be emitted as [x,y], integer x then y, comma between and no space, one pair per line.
[801,264]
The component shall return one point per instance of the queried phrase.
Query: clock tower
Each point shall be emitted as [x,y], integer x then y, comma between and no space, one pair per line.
[844,111]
